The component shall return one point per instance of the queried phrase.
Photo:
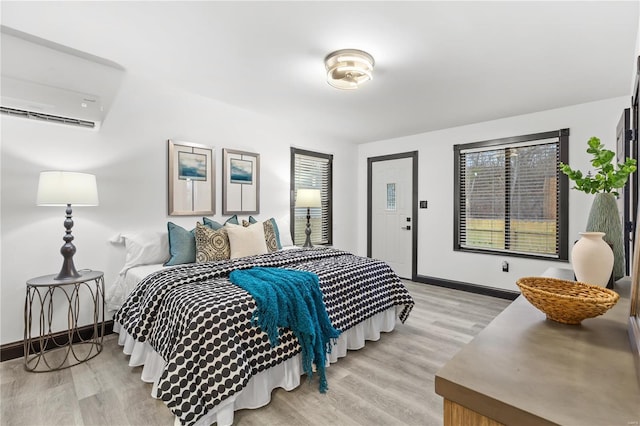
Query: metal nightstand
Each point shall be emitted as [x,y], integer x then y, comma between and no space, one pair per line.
[49,351]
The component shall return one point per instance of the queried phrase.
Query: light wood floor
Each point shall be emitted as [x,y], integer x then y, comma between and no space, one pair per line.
[389,382]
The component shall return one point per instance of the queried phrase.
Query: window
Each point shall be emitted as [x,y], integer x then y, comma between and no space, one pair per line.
[391,197]
[312,170]
[510,196]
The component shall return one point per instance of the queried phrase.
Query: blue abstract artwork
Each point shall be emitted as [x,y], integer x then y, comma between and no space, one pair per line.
[192,166]
[241,171]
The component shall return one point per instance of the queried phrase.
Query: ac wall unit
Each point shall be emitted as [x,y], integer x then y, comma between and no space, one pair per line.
[27,99]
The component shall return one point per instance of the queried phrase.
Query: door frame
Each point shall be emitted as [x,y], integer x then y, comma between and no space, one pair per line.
[634,144]
[414,204]
[624,143]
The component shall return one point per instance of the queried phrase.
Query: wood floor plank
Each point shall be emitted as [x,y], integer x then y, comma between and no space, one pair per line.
[40,399]
[388,382]
[104,408]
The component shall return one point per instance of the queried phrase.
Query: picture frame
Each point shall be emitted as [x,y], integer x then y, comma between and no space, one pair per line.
[240,182]
[191,179]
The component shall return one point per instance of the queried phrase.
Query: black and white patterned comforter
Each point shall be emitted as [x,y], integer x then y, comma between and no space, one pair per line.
[200,323]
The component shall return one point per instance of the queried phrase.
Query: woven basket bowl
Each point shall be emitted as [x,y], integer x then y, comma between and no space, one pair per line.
[568,302]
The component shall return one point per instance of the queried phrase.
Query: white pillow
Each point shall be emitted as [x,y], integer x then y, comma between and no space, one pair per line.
[284,231]
[143,248]
[246,241]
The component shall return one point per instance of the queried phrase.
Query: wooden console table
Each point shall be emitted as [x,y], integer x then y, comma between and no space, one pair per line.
[523,369]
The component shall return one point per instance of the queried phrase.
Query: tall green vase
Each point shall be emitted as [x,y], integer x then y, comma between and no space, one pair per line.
[604,217]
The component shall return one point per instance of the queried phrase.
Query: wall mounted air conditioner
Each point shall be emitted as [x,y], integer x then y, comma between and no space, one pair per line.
[51,104]
[46,81]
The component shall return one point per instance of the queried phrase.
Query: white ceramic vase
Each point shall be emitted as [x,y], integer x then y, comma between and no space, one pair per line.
[592,259]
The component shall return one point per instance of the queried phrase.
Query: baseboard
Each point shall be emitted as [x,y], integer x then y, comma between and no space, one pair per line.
[471,288]
[16,349]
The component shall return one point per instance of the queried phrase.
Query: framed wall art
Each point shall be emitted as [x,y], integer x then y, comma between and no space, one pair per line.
[240,182]
[191,179]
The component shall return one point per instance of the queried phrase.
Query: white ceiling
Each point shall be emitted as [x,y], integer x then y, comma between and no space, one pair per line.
[438,64]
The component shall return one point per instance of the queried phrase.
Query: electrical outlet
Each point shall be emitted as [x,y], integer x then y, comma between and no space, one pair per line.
[505,266]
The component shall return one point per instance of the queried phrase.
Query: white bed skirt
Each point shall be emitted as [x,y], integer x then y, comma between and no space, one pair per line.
[257,393]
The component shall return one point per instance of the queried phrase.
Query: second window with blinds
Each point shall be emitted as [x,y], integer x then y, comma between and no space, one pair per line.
[510,197]
[312,170]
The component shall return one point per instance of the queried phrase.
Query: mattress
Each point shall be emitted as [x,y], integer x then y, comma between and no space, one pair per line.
[125,283]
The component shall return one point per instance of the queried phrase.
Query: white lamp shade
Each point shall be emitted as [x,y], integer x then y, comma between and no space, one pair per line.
[58,188]
[308,198]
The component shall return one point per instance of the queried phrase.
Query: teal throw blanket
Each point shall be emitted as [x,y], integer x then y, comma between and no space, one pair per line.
[291,299]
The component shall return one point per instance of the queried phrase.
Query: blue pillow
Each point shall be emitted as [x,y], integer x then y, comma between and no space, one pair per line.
[215,225]
[275,229]
[182,245]
[211,223]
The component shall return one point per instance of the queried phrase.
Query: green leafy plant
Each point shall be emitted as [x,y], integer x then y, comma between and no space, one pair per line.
[608,178]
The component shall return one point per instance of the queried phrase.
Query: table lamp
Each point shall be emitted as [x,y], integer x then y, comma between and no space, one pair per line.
[59,188]
[307,198]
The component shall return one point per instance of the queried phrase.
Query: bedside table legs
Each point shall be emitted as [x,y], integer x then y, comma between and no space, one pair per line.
[45,350]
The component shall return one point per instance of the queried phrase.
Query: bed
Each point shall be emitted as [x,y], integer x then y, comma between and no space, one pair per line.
[190,327]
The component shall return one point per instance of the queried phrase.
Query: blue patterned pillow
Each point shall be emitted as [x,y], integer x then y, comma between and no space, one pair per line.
[182,245]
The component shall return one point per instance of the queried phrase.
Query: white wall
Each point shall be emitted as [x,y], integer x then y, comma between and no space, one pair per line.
[129,157]
[436,257]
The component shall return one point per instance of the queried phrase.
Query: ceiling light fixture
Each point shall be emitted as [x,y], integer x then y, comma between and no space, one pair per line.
[347,69]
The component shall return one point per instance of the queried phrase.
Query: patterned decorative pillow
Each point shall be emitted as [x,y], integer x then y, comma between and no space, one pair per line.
[211,244]
[270,232]
[270,236]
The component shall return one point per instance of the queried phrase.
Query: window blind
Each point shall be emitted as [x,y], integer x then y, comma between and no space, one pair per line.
[509,198]
[314,171]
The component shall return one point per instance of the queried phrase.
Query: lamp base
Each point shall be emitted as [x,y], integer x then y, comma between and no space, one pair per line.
[68,250]
[68,269]
[307,231]
[307,243]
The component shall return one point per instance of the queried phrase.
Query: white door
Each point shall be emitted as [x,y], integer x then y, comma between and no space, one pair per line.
[391,204]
